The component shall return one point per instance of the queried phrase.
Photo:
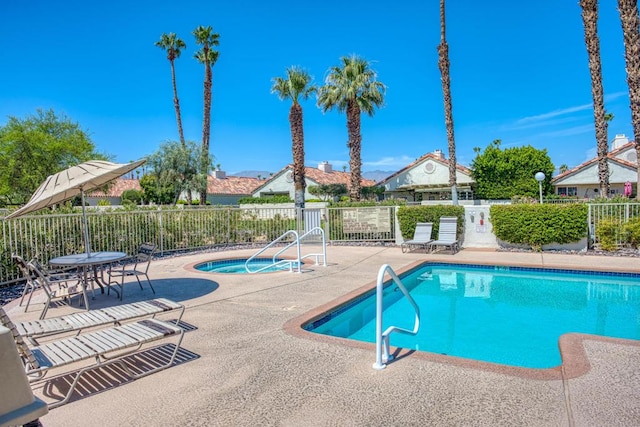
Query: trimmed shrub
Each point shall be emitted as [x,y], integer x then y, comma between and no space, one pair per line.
[132,195]
[263,200]
[539,224]
[609,232]
[632,231]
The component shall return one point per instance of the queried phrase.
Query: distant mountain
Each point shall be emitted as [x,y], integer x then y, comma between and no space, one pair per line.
[377,175]
[253,174]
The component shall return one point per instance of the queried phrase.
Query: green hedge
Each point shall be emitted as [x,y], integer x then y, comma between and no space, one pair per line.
[264,200]
[539,224]
[409,216]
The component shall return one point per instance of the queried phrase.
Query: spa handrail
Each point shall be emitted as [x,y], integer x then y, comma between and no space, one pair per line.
[296,242]
[382,338]
[315,230]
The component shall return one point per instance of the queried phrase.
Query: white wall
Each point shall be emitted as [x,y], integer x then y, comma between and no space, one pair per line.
[281,184]
[418,175]
[478,229]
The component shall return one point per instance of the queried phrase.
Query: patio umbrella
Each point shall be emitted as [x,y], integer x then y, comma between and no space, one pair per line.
[75,180]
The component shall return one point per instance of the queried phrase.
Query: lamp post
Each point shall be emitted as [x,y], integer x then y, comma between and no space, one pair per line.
[540,177]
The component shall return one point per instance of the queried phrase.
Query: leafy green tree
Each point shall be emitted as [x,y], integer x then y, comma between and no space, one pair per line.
[175,168]
[352,87]
[372,193]
[133,196]
[502,174]
[296,85]
[173,45]
[154,192]
[206,38]
[328,191]
[37,146]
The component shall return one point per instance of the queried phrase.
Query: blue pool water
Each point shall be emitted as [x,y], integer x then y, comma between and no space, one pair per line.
[507,315]
[237,266]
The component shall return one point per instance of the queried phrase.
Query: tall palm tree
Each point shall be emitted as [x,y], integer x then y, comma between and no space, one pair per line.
[296,85]
[352,87]
[173,45]
[443,64]
[590,20]
[206,38]
[631,34]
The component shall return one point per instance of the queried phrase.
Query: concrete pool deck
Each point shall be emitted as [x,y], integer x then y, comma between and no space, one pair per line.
[240,366]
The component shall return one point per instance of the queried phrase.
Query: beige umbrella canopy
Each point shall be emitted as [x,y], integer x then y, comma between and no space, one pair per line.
[73,181]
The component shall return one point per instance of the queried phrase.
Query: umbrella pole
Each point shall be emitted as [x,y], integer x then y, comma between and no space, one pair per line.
[86,226]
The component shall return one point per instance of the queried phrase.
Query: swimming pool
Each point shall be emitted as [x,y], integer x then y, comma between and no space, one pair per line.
[237,265]
[505,315]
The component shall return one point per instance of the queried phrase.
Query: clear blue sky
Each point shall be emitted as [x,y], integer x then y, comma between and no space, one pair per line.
[519,73]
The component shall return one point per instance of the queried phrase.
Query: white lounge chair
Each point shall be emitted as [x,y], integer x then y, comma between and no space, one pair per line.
[75,322]
[98,345]
[421,237]
[447,234]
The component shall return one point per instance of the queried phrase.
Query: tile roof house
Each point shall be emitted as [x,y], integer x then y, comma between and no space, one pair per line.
[281,183]
[227,190]
[582,181]
[427,178]
[114,191]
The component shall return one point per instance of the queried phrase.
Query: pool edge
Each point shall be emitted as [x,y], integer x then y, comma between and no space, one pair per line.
[575,362]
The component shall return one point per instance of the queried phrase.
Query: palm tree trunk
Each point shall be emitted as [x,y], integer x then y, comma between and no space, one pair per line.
[590,20]
[297,137]
[631,34]
[443,64]
[354,144]
[206,128]
[176,104]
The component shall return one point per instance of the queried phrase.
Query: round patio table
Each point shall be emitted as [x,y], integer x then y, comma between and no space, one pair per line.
[83,261]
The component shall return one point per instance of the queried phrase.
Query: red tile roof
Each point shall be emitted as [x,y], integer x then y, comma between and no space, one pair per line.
[320,177]
[333,177]
[117,187]
[236,185]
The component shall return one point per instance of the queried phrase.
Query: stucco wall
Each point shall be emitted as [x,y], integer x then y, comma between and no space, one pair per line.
[418,175]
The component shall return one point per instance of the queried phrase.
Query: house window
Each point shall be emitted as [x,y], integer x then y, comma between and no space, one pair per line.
[567,191]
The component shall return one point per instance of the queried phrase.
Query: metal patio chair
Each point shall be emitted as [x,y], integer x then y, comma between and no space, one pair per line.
[137,265]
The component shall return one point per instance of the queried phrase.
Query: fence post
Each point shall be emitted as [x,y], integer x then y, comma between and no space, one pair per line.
[590,233]
[626,212]
[396,229]
[161,229]
[325,214]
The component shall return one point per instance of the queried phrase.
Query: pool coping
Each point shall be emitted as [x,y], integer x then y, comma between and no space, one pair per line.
[575,362]
[191,267]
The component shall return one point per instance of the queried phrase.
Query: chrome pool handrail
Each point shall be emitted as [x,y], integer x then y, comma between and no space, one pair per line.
[382,338]
[274,261]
